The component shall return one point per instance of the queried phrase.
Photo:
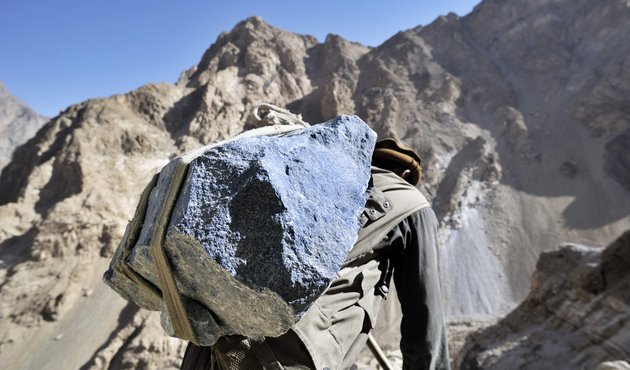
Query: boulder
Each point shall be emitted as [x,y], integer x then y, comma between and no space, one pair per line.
[260,227]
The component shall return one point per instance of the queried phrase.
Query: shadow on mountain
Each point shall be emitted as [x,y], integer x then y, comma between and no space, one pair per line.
[124,318]
[15,176]
[17,249]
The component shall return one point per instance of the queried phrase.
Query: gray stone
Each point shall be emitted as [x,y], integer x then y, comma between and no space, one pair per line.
[260,228]
[614,365]
[617,159]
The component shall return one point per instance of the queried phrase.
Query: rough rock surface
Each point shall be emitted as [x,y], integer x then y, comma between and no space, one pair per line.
[551,74]
[261,226]
[576,316]
[18,123]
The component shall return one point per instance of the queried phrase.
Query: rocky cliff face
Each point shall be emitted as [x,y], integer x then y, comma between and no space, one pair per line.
[519,110]
[575,317]
[18,123]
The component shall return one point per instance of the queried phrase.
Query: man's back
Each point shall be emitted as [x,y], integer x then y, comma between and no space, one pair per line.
[397,236]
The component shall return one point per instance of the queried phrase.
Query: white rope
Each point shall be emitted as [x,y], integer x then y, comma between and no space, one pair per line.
[269,114]
[269,120]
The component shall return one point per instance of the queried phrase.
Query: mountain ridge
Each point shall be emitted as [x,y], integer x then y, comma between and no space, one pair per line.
[18,123]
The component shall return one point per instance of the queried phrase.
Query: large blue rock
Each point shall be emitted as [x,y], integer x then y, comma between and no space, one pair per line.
[280,212]
[261,227]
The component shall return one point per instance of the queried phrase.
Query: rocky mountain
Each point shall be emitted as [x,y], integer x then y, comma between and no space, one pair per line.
[575,317]
[18,123]
[519,110]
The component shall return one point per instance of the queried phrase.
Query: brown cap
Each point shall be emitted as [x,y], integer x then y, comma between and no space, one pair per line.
[391,150]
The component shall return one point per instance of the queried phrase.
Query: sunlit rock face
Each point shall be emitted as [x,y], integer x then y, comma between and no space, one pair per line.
[575,317]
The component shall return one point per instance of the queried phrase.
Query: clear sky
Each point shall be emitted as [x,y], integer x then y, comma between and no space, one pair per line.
[60,52]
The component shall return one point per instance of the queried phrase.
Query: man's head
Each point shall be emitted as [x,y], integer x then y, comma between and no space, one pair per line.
[398,158]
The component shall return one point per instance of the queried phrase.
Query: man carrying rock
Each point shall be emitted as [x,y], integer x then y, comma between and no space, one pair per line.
[397,238]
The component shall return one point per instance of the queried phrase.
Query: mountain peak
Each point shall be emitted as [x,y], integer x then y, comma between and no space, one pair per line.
[253,47]
[253,20]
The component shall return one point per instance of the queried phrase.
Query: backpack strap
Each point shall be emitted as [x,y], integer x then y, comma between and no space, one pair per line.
[390,200]
[170,292]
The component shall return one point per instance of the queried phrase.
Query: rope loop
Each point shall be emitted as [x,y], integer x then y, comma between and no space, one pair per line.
[268,114]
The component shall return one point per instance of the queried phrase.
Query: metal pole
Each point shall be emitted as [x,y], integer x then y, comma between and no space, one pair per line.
[378,353]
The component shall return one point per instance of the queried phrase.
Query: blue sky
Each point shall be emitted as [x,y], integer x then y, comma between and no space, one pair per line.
[61,52]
